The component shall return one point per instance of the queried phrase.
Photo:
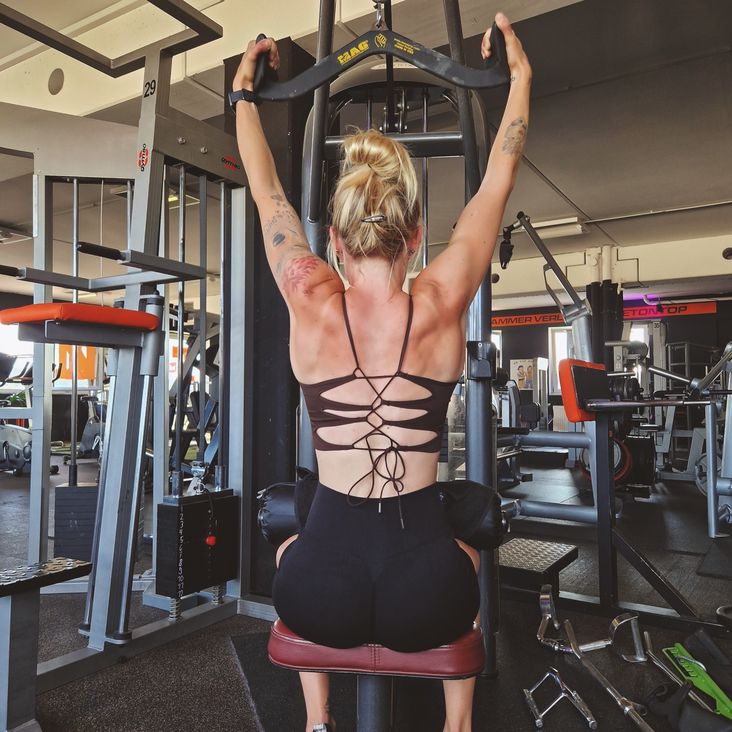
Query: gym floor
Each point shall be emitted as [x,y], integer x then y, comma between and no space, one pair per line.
[220,678]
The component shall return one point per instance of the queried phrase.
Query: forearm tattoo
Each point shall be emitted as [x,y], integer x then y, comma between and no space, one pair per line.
[513,142]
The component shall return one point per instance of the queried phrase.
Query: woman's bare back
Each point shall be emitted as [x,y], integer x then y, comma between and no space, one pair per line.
[321,351]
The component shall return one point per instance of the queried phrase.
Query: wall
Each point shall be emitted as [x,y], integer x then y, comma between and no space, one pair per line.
[530,341]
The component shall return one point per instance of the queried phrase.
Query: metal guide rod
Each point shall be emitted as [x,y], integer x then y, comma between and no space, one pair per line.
[320,119]
[202,312]
[480,438]
[390,116]
[179,406]
[73,468]
[419,144]
[425,184]
[225,280]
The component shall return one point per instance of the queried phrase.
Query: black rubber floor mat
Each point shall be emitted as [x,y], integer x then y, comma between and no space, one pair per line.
[718,561]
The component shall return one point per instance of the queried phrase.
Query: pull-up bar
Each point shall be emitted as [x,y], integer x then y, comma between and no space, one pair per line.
[386,42]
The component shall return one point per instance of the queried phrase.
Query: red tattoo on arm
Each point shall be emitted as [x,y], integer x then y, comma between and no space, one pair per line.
[297,273]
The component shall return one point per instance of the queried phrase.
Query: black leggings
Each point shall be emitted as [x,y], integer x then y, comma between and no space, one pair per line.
[355,576]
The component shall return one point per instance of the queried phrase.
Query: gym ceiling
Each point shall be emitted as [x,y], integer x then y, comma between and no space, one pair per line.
[631,119]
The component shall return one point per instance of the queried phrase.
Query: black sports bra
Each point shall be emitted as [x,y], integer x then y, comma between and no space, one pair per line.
[387,462]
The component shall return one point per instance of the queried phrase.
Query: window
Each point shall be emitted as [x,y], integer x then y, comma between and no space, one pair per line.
[560,347]
[497,340]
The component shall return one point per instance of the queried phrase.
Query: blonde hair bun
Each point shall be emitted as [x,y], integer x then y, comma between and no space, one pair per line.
[378,183]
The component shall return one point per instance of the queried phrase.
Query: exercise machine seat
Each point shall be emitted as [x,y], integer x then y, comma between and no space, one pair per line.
[458,660]
[80,313]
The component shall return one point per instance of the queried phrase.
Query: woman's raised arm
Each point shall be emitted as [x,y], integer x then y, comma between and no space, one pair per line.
[301,276]
[455,275]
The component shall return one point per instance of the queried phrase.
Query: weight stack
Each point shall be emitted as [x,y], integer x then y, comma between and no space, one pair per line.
[188,559]
[74,517]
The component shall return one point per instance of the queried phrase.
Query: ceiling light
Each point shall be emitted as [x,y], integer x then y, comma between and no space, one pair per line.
[571,226]
[10,235]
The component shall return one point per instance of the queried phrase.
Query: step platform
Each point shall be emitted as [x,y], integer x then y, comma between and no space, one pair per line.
[527,564]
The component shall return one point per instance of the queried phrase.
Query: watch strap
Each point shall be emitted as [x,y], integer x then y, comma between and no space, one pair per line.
[242,95]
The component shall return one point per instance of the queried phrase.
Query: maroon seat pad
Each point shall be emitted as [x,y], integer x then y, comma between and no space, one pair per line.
[460,659]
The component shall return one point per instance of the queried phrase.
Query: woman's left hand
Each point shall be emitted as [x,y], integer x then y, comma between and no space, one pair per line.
[244,77]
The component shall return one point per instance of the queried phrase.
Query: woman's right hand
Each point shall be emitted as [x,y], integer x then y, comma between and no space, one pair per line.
[518,62]
[244,77]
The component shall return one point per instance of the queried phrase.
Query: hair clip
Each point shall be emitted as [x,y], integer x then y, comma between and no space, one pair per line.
[374,219]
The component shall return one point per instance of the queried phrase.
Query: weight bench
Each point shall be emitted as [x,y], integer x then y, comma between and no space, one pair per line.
[376,668]
[20,601]
[135,339]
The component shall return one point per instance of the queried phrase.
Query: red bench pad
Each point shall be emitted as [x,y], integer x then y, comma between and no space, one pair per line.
[570,398]
[80,313]
[460,659]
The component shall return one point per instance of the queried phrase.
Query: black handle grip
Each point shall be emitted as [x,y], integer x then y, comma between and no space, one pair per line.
[262,65]
[498,51]
[10,271]
[98,250]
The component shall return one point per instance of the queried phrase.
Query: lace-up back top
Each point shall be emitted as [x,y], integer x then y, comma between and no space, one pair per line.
[421,423]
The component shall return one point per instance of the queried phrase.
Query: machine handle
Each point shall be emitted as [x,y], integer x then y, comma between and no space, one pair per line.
[262,60]
[9,271]
[97,250]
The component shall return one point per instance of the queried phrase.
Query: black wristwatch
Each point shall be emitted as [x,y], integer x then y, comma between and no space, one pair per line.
[243,95]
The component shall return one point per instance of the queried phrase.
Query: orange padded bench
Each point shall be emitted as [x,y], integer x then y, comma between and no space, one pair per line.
[79,313]
[82,324]
[376,666]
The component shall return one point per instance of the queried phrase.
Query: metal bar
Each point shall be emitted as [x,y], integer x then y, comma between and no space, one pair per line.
[180,408]
[712,493]
[374,697]
[202,31]
[202,311]
[117,282]
[558,271]
[547,438]
[42,404]
[97,250]
[659,583]
[52,279]
[425,182]
[82,334]
[238,300]
[390,117]
[605,500]
[326,23]
[380,43]
[480,428]
[179,269]
[73,469]
[558,511]
[668,374]
[222,478]
[16,413]
[419,144]
[717,369]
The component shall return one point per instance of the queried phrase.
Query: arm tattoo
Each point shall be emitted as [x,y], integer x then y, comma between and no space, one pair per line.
[297,271]
[513,142]
[277,239]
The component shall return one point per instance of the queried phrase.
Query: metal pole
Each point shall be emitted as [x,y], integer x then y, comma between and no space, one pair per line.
[320,110]
[225,279]
[480,446]
[605,501]
[712,495]
[179,396]
[73,469]
[202,312]
[425,184]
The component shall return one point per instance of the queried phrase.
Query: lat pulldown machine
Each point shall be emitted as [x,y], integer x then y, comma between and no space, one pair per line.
[320,144]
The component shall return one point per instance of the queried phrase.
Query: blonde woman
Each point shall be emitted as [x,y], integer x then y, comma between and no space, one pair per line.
[377,561]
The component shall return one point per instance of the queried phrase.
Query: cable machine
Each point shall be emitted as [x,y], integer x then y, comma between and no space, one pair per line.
[321,148]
